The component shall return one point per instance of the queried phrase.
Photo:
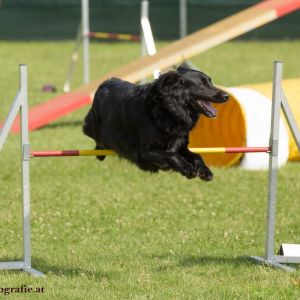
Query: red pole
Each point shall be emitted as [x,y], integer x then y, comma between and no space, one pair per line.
[247,149]
[54,153]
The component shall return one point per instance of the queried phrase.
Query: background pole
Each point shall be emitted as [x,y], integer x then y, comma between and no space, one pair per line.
[182,18]
[74,59]
[85,40]
[144,14]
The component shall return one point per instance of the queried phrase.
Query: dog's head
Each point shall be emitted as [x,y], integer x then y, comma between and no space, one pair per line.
[191,90]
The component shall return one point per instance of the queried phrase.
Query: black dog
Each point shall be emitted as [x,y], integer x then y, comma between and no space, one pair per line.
[149,124]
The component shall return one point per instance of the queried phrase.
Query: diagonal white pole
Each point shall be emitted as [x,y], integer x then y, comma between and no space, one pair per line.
[144,15]
[290,120]
[273,162]
[147,40]
[9,120]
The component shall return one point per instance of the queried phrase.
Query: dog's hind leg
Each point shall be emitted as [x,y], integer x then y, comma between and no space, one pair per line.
[197,161]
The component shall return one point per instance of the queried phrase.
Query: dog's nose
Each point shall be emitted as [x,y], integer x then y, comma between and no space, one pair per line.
[225,97]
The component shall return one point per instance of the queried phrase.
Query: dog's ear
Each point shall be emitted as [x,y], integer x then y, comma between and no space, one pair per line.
[169,82]
[183,68]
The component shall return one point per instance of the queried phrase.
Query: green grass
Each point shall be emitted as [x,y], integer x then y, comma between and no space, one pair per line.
[110,231]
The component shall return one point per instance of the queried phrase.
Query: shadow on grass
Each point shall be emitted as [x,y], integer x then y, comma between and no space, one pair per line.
[214,260]
[60,270]
[63,124]
[70,271]
[192,261]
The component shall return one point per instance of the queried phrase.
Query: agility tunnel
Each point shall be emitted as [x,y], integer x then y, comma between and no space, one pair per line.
[244,121]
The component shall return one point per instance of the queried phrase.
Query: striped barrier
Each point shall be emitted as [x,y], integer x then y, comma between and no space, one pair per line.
[114,36]
[56,153]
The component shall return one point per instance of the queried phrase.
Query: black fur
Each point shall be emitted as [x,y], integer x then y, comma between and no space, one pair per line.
[149,124]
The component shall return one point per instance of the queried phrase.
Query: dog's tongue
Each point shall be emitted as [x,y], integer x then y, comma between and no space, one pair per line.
[210,109]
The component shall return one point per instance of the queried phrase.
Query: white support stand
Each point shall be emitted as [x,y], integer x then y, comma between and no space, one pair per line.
[144,15]
[74,60]
[21,103]
[183,26]
[278,100]
[82,38]
[85,40]
[147,40]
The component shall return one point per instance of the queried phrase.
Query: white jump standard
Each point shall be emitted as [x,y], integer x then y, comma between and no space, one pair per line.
[21,103]
[278,101]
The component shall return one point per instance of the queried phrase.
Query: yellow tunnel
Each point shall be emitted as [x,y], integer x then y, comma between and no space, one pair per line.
[229,129]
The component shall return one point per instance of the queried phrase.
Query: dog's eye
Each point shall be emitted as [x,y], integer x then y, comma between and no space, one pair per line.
[206,81]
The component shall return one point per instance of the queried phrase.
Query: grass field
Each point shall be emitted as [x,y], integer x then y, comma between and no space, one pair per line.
[110,231]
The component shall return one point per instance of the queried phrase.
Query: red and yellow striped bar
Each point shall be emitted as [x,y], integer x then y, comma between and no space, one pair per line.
[114,36]
[60,153]
[55,153]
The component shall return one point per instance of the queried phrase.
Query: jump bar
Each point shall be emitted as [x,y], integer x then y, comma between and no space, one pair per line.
[56,153]
[114,36]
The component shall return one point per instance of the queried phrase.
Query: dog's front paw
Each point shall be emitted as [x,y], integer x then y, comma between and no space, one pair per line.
[190,173]
[205,173]
[100,157]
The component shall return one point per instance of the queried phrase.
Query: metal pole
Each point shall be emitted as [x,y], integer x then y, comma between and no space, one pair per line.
[74,59]
[182,18]
[273,162]
[25,157]
[25,165]
[85,40]
[144,14]
[183,30]
[290,120]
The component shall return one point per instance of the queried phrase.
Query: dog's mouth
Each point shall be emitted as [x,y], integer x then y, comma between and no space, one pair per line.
[207,108]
